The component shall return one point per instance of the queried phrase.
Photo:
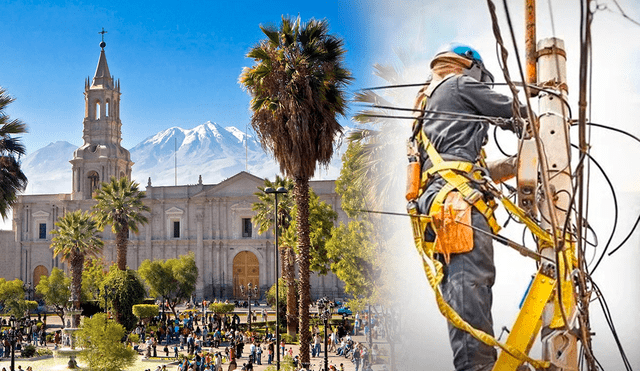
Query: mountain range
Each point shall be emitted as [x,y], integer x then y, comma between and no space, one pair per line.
[208,150]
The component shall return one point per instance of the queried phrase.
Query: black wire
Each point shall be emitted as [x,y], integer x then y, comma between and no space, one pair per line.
[612,327]
[435,112]
[635,225]
[615,207]
[495,140]
[531,86]
[413,118]
[612,129]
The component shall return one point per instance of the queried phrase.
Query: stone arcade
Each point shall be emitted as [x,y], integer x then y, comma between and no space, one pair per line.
[212,220]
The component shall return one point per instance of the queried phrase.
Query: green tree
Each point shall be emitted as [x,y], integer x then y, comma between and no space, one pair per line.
[120,205]
[353,249]
[264,218]
[145,311]
[93,276]
[76,236]
[55,290]
[173,279]
[321,220]
[125,291]
[12,296]
[12,179]
[297,86]
[101,343]
[283,297]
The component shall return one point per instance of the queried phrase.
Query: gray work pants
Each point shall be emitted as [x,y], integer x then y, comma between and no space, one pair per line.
[466,286]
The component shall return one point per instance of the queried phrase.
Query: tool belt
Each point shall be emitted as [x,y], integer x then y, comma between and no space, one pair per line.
[450,211]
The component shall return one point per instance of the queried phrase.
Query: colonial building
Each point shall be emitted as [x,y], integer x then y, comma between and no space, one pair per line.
[211,220]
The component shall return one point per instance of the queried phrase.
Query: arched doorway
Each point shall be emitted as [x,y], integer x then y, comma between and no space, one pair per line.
[246,268]
[40,271]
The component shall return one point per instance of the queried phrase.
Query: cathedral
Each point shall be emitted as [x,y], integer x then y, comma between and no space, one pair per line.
[211,220]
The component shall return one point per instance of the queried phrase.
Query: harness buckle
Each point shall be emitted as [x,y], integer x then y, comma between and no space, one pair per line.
[473,197]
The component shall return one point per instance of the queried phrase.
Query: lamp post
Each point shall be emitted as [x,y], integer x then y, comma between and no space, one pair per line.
[249,293]
[325,314]
[28,288]
[276,192]
[108,290]
[12,339]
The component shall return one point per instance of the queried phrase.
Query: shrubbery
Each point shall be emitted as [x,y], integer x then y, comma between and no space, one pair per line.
[222,308]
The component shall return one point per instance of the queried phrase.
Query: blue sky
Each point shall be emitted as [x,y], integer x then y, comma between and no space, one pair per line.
[178,64]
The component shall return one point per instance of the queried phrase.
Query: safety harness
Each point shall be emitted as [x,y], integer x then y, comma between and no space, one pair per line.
[458,175]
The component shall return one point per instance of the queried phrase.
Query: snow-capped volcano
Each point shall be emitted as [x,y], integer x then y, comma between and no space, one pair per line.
[210,150]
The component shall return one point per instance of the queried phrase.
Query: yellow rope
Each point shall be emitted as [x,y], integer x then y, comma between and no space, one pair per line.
[435,274]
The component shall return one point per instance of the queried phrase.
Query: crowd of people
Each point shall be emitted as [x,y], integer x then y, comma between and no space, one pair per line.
[206,341]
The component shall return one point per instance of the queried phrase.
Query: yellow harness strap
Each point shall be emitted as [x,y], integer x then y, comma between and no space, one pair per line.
[449,171]
[434,272]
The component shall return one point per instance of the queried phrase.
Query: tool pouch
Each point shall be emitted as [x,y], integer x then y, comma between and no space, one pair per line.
[452,225]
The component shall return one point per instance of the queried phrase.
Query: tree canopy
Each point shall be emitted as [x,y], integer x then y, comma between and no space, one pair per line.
[75,238]
[172,279]
[55,290]
[101,343]
[125,290]
[12,179]
[120,205]
[12,297]
[353,247]
[145,311]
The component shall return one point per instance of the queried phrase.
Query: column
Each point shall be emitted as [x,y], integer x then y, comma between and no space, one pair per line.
[200,253]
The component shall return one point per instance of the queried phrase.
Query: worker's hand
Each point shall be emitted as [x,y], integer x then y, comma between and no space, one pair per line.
[502,170]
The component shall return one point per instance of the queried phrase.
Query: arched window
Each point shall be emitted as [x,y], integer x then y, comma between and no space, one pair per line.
[106,109]
[94,181]
[97,110]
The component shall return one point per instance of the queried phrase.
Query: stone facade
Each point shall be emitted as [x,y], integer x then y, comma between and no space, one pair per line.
[210,220]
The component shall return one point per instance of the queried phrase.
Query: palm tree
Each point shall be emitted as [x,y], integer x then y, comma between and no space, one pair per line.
[120,204]
[297,86]
[75,238]
[12,179]
[264,220]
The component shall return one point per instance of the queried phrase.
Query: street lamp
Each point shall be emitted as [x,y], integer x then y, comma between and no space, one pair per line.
[108,290]
[29,290]
[249,293]
[325,314]
[276,192]
[12,338]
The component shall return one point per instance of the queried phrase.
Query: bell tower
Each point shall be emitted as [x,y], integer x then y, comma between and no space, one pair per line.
[101,156]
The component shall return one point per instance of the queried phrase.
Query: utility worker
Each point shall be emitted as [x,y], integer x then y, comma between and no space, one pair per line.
[460,85]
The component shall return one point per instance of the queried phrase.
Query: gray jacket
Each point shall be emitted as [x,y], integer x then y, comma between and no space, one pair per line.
[457,137]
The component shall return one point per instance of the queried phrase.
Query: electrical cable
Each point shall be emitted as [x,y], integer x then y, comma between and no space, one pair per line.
[454,114]
[615,207]
[624,14]
[612,327]
[635,225]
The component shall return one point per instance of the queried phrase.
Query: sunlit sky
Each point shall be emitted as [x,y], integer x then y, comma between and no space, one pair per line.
[178,64]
